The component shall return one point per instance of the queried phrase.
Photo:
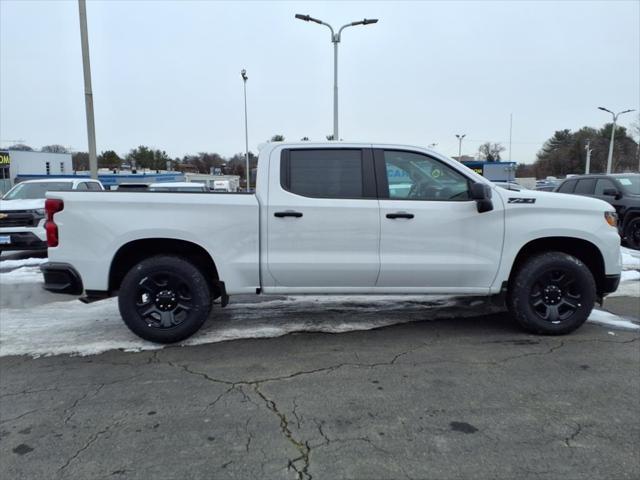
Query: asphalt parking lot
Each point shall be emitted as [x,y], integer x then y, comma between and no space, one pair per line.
[446,399]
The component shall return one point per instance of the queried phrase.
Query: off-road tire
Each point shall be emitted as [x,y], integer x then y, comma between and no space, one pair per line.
[177,302]
[557,280]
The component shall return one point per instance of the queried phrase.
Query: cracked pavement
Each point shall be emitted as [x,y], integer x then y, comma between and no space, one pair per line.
[447,399]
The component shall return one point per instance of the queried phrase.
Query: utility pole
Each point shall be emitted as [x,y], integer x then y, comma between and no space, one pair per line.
[613,132]
[335,39]
[88,94]
[243,73]
[460,137]
[589,150]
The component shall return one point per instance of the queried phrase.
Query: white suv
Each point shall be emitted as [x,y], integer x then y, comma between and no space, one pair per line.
[22,213]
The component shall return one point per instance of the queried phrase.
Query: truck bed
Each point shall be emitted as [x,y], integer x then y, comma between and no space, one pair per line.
[225,225]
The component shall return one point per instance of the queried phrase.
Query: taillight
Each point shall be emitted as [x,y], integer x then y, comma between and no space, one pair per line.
[51,207]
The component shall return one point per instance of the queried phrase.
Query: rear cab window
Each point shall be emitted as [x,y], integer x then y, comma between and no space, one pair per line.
[328,173]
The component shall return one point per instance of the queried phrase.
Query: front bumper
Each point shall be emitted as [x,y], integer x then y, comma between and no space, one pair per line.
[610,284]
[61,278]
[22,241]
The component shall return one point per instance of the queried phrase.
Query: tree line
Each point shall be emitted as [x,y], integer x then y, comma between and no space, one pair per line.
[564,153]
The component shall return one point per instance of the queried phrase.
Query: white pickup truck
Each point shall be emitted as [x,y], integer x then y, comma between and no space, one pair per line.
[335,218]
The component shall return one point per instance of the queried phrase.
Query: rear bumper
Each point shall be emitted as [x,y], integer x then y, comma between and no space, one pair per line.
[610,284]
[61,278]
[22,241]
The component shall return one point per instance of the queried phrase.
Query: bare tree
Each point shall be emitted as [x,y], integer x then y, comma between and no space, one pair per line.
[54,149]
[21,147]
[490,151]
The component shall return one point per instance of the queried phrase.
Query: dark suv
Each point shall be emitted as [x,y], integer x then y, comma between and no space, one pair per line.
[622,190]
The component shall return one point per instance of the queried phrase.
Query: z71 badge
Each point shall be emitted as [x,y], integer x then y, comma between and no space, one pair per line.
[522,200]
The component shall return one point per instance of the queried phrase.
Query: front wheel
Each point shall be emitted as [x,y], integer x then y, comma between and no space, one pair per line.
[552,293]
[164,299]
[632,233]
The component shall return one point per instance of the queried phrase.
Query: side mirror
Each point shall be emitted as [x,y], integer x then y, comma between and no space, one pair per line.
[481,193]
[611,192]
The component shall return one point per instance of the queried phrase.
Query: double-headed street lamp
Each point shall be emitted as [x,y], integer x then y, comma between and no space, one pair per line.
[243,73]
[613,132]
[335,39]
[460,137]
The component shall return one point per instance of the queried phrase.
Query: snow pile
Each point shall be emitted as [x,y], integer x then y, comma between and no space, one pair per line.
[606,318]
[22,275]
[630,258]
[24,262]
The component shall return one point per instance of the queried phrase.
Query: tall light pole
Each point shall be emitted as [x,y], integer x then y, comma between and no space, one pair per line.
[613,132]
[88,94]
[243,73]
[588,148]
[460,137]
[335,39]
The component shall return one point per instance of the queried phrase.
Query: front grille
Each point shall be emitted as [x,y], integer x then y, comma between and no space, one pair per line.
[18,219]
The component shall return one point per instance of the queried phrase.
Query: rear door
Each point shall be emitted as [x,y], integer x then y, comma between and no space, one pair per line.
[323,219]
[432,237]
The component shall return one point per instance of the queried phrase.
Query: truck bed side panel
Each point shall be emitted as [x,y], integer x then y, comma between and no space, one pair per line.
[94,225]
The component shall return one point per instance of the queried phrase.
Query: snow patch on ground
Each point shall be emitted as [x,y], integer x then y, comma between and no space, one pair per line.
[609,319]
[22,275]
[25,262]
[630,258]
[75,328]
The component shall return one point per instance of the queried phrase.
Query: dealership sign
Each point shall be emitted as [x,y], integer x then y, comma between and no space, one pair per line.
[5,160]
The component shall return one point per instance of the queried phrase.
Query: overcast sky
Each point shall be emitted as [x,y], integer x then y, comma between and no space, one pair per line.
[167,73]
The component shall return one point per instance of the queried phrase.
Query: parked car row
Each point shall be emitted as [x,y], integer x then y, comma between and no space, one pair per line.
[22,214]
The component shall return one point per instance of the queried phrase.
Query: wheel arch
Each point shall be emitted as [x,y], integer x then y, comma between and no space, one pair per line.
[583,250]
[135,251]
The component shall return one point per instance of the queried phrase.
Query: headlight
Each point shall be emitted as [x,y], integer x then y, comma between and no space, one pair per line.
[611,218]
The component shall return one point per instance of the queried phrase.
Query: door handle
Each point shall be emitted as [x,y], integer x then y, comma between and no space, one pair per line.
[400,215]
[288,213]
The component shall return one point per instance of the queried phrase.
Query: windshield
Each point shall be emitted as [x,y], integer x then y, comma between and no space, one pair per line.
[631,184]
[30,191]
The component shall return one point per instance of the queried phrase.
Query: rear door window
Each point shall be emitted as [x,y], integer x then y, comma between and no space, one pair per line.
[323,173]
[586,186]
[567,187]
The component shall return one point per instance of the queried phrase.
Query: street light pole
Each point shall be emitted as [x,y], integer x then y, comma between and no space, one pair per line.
[335,39]
[460,137]
[588,148]
[243,73]
[88,94]
[613,132]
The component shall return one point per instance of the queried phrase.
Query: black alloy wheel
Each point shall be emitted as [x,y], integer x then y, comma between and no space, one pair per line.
[555,295]
[164,299]
[551,293]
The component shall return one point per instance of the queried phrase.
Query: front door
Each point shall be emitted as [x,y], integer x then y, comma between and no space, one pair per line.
[323,220]
[432,236]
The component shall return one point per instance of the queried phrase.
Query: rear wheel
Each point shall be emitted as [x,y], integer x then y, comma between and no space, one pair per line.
[164,299]
[552,293]
[632,233]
